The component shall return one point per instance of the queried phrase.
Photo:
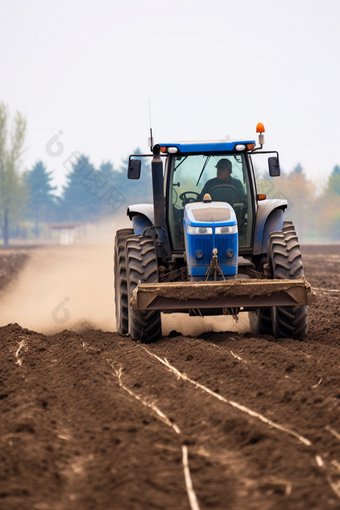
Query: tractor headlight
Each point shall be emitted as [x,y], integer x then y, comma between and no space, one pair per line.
[226,230]
[199,230]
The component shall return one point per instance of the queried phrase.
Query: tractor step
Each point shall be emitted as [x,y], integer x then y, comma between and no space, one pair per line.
[243,293]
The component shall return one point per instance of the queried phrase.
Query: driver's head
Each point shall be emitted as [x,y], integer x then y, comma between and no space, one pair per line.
[224,169]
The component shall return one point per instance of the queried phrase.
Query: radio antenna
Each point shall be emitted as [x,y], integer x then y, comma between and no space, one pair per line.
[151,137]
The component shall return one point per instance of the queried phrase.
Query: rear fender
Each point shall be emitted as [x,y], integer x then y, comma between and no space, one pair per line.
[140,223]
[142,217]
[269,218]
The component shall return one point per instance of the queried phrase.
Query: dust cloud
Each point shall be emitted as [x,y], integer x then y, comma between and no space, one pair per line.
[195,326]
[63,287]
[71,287]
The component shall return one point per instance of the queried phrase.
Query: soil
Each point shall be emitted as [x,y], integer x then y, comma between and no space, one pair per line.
[11,263]
[93,420]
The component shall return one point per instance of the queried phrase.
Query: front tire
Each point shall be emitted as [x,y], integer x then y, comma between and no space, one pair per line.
[142,266]
[285,261]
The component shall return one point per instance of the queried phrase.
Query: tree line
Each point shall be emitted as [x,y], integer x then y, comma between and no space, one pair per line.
[88,194]
[315,212]
[28,200]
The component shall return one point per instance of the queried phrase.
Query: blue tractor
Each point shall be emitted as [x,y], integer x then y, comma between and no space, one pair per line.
[209,244]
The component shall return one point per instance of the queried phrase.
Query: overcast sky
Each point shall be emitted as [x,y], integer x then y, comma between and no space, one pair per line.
[210,68]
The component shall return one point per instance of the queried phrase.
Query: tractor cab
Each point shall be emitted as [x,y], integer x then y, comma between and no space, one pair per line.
[216,168]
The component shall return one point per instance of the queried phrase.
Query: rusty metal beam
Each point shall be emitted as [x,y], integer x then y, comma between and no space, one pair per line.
[221,294]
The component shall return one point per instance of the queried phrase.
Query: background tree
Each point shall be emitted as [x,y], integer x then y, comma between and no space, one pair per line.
[12,188]
[41,201]
[333,184]
[139,190]
[107,169]
[79,200]
[328,218]
[133,191]
[300,193]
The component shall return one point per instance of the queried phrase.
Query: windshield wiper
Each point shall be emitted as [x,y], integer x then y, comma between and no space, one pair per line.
[205,164]
[179,164]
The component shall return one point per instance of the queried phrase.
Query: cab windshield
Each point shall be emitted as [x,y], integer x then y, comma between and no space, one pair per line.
[224,176]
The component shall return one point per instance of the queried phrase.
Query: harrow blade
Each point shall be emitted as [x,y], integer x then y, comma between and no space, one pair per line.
[180,296]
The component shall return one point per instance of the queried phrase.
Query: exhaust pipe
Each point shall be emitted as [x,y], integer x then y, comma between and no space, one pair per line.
[158,188]
[162,241]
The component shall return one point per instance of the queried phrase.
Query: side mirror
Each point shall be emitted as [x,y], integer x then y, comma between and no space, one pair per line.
[134,168]
[274,167]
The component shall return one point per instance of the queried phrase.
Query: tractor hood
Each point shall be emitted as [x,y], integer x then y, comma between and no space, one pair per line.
[210,226]
[210,214]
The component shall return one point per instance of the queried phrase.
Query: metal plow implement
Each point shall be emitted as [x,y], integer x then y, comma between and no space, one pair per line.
[183,296]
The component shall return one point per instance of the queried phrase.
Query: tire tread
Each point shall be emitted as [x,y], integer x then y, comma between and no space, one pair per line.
[291,321]
[142,265]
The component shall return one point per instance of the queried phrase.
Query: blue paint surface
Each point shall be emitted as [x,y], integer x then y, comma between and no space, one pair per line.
[139,223]
[199,147]
[207,242]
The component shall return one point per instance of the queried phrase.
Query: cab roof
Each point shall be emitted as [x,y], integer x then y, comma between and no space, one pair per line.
[207,146]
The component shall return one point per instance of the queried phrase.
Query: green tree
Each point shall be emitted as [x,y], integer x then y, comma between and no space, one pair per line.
[298,169]
[300,193]
[136,191]
[83,197]
[79,197]
[108,171]
[328,220]
[41,201]
[12,188]
[333,184]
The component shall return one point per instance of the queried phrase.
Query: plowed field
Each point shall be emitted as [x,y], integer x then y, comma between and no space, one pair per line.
[93,420]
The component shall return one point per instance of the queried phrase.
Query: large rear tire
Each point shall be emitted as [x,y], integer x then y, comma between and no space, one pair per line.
[285,261]
[120,284]
[141,263]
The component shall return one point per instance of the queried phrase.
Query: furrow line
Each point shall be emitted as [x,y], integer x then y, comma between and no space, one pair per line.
[161,415]
[245,409]
[319,461]
[187,476]
[188,482]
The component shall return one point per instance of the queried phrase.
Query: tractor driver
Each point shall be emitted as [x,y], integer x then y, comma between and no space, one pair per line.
[224,170]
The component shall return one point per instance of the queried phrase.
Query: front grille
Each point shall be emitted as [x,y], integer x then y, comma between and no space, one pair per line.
[202,243]
[224,243]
